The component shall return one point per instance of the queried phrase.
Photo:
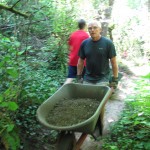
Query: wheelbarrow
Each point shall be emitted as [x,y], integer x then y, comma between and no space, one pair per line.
[67,139]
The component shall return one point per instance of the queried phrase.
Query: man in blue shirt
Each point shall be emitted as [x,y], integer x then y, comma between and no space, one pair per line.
[98,51]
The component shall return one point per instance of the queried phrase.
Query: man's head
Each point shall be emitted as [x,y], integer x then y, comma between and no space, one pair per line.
[94,28]
[81,24]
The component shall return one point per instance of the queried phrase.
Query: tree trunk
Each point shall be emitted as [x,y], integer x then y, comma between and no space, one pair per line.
[105,16]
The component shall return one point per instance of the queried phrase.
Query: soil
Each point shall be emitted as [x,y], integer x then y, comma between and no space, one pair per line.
[68,111]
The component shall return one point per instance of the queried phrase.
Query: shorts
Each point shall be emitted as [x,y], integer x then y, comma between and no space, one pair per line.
[72,72]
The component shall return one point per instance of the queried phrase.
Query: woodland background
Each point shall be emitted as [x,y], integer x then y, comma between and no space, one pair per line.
[33,60]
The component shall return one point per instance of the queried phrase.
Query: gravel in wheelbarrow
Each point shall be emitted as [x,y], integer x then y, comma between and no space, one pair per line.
[68,112]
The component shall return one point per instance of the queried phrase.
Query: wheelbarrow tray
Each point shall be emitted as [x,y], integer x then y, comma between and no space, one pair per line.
[72,91]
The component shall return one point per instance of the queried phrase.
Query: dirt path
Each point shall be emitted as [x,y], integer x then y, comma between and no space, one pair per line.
[113,109]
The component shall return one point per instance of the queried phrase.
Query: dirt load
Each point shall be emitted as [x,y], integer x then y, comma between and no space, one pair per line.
[68,112]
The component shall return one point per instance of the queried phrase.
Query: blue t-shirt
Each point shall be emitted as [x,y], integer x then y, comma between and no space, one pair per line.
[97,55]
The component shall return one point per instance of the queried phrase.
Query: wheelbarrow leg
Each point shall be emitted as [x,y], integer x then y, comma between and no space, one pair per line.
[66,141]
[80,141]
[98,128]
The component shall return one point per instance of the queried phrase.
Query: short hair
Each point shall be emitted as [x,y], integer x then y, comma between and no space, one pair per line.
[81,24]
[97,22]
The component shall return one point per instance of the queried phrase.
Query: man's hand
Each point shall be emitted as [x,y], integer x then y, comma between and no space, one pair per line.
[79,79]
[113,82]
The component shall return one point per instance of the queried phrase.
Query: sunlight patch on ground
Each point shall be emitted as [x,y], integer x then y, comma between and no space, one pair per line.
[140,70]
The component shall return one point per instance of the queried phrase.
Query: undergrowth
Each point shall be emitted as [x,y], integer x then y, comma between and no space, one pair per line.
[132,131]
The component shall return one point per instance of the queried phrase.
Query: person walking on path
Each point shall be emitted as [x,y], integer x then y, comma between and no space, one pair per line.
[99,52]
[74,43]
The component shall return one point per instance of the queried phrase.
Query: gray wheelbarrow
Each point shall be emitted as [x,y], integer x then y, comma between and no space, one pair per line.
[67,140]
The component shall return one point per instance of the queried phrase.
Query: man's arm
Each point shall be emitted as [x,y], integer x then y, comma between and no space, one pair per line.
[114,67]
[113,82]
[80,66]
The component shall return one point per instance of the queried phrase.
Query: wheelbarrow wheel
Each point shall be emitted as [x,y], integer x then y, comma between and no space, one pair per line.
[66,141]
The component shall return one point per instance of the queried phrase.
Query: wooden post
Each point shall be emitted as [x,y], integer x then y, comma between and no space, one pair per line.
[80,141]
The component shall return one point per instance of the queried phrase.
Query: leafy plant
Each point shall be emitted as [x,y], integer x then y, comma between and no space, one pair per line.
[9,93]
[133,129]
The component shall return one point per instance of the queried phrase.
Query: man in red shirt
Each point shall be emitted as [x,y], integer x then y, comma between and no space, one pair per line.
[74,43]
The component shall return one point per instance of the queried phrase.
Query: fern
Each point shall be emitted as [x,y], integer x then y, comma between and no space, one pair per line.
[10,140]
[8,133]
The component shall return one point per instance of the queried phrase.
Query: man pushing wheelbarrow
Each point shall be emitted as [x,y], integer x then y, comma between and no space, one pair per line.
[99,52]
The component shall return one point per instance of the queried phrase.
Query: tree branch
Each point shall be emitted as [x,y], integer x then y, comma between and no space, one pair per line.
[11,9]
[15,3]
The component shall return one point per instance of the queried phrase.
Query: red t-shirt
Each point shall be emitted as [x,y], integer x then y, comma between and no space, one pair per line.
[74,43]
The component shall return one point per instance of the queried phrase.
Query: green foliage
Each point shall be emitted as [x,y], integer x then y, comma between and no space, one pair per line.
[40,84]
[32,69]
[9,93]
[10,139]
[133,129]
[131,41]
[8,131]
[130,33]
[37,86]
[136,3]
[97,3]
[26,120]
[19,102]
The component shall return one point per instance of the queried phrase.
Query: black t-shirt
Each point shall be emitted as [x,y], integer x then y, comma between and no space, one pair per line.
[97,55]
